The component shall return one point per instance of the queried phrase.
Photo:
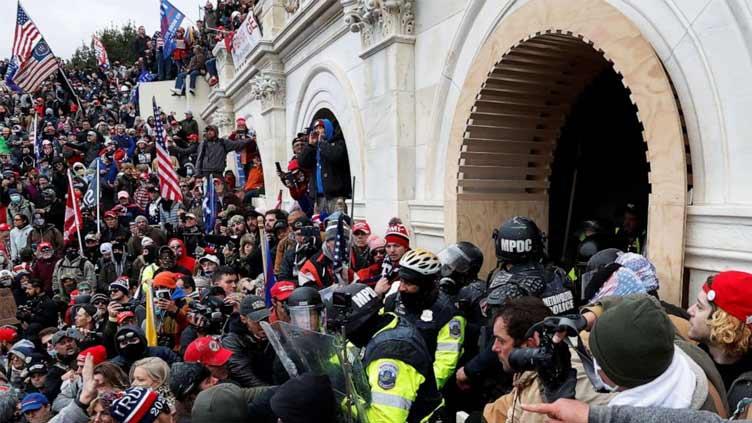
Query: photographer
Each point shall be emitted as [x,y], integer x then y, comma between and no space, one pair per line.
[511,327]
[171,309]
[39,311]
[325,157]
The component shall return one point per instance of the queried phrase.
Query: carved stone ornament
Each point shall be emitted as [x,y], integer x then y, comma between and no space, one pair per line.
[377,20]
[292,6]
[269,89]
[222,120]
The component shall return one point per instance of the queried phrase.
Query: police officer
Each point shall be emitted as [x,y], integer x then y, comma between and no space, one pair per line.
[304,306]
[460,264]
[397,362]
[520,253]
[431,311]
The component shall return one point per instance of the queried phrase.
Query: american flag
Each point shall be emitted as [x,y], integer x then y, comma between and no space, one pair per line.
[32,61]
[26,35]
[169,184]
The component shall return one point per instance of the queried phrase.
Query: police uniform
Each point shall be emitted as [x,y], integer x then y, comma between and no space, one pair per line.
[400,373]
[551,285]
[443,330]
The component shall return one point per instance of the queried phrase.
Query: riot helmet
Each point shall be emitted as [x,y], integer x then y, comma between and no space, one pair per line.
[305,308]
[350,307]
[518,240]
[460,264]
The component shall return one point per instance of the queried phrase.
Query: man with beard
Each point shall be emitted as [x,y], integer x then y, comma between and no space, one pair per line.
[66,349]
[168,262]
[39,311]
[44,265]
[131,346]
[75,266]
[190,232]
[431,311]
[42,231]
[252,357]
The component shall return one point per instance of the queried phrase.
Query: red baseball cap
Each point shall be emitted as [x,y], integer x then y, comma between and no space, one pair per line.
[121,316]
[361,227]
[207,351]
[7,334]
[731,292]
[282,290]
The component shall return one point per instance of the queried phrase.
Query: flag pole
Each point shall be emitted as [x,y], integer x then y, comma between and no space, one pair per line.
[99,222]
[74,202]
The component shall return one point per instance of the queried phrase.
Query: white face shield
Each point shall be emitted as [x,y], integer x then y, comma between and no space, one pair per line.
[308,317]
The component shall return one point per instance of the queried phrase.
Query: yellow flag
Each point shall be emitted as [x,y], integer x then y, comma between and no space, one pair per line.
[150,328]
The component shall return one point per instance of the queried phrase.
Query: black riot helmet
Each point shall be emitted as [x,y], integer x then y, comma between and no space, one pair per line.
[518,240]
[352,306]
[304,296]
[460,264]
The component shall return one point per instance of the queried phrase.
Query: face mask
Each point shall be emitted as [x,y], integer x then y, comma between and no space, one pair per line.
[412,301]
[604,386]
[15,198]
[71,254]
[118,255]
[133,351]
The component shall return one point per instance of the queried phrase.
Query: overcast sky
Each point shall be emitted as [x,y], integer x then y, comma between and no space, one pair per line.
[66,23]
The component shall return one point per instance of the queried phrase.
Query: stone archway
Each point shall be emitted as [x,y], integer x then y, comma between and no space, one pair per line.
[514,100]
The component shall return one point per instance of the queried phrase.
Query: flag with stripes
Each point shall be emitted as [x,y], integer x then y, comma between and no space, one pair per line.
[32,60]
[169,184]
[26,36]
[100,52]
[72,214]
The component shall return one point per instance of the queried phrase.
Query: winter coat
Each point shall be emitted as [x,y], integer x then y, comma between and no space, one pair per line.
[527,390]
[212,155]
[330,155]
[125,363]
[25,207]
[49,233]
[43,270]
[109,271]
[189,126]
[251,361]
[19,239]
[79,268]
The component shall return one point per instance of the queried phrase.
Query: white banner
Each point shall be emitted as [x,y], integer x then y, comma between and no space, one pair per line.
[245,39]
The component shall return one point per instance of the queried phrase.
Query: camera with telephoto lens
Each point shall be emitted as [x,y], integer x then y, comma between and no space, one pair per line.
[551,360]
[209,314]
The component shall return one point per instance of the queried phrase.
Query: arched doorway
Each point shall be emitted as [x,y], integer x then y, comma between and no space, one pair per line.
[521,99]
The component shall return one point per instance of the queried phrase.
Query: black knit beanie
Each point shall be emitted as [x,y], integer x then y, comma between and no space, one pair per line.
[633,342]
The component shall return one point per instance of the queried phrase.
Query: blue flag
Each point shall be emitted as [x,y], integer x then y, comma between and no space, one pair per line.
[145,76]
[268,272]
[170,19]
[210,205]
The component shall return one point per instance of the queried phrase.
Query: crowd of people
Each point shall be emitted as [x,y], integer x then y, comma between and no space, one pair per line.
[151,313]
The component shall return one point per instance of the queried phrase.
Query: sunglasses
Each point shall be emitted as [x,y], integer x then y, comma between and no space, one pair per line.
[129,338]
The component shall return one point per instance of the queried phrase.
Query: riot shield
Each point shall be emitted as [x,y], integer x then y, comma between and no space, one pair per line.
[302,351]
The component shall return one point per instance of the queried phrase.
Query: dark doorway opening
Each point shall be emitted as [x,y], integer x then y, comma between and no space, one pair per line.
[600,164]
[327,114]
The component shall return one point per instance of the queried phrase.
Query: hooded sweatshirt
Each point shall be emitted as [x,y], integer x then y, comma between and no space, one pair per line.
[125,360]
[185,260]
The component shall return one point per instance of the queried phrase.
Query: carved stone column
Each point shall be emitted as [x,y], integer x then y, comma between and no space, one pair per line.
[225,65]
[386,29]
